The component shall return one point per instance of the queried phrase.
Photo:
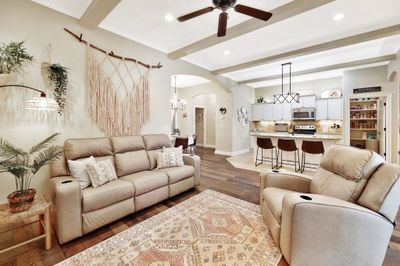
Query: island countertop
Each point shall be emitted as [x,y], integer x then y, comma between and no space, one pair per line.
[295,136]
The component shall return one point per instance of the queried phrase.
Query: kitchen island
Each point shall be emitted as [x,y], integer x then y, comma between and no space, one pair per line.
[327,139]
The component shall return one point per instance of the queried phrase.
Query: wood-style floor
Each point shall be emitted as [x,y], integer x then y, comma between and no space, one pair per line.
[217,174]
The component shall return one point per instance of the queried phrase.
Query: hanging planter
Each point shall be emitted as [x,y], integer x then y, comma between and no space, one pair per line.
[58,79]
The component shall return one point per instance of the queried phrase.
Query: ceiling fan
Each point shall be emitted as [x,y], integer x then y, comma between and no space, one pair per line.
[224,5]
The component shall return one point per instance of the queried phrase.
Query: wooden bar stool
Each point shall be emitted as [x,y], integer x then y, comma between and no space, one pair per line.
[289,145]
[310,147]
[266,144]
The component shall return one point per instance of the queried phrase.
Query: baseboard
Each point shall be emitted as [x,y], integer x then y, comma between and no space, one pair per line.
[206,145]
[235,153]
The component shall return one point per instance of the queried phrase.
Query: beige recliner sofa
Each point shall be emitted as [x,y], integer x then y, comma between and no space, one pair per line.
[344,215]
[77,212]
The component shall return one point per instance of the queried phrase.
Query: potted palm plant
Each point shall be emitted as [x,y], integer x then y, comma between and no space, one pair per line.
[12,58]
[23,165]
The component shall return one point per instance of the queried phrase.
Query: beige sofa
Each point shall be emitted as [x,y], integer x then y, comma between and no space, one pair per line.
[77,212]
[348,217]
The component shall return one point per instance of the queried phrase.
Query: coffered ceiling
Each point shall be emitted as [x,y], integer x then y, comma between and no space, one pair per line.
[145,22]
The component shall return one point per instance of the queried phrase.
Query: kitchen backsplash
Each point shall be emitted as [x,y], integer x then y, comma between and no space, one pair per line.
[323,127]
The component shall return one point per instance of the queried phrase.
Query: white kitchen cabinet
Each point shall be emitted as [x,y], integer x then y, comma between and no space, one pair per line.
[335,109]
[287,112]
[278,110]
[305,102]
[321,109]
[267,111]
[329,109]
[257,112]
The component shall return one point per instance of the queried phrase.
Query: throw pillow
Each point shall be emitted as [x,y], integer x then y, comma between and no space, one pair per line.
[78,171]
[170,157]
[101,172]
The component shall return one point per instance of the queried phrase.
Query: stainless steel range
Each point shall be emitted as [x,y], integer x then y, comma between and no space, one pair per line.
[305,129]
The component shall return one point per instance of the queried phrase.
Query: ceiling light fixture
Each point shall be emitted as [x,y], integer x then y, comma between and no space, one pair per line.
[287,97]
[177,104]
[226,52]
[338,17]
[169,17]
[42,103]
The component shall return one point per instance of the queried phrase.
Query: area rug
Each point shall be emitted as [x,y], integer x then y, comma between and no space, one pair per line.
[208,229]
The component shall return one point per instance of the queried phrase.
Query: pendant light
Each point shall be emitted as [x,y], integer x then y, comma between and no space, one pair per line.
[287,97]
[177,104]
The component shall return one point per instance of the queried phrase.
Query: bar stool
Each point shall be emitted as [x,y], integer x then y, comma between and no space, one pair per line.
[310,147]
[266,144]
[289,145]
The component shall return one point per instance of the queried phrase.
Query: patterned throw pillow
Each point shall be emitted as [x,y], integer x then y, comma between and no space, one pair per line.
[101,172]
[170,157]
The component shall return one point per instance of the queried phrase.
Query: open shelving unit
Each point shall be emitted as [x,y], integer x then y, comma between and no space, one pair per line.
[364,123]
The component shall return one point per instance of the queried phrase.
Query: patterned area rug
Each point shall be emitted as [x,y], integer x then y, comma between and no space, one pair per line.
[208,229]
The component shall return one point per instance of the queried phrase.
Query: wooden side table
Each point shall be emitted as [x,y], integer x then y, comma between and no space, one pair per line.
[40,209]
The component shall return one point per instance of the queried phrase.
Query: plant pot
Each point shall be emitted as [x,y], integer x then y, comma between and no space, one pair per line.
[21,200]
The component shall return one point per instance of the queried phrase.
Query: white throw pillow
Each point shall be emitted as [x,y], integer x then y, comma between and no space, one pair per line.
[78,171]
[170,157]
[101,172]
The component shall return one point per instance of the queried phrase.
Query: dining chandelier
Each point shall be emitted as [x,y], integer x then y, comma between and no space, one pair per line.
[176,103]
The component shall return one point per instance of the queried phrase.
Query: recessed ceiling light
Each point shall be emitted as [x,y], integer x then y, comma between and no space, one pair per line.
[338,16]
[226,52]
[169,17]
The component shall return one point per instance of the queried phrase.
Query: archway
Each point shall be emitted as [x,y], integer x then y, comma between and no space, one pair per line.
[393,76]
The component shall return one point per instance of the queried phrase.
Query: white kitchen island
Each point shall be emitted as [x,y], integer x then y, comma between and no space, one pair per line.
[327,139]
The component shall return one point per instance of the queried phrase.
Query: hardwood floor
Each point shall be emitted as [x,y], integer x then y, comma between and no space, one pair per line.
[217,174]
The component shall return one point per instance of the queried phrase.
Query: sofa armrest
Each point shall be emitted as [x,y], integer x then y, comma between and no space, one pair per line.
[66,198]
[290,181]
[321,230]
[194,161]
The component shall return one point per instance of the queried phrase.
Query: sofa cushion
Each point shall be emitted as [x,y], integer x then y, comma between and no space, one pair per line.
[146,181]
[152,156]
[156,141]
[106,195]
[176,174]
[83,148]
[380,194]
[127,143]
[344,171]
[273,198]
[131,162]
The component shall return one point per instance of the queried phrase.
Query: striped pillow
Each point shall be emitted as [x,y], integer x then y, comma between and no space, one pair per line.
[101,172]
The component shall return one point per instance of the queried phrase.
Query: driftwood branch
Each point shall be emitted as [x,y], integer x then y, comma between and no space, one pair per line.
[79,38]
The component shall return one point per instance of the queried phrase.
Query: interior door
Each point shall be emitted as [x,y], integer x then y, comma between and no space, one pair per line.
[382,127]
[199,125]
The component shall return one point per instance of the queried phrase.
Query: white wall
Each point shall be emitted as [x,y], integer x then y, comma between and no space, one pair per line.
[39,26]
[304,88]
[243,96]
[369,77]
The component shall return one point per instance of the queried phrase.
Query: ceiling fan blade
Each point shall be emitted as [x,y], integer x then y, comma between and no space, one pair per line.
[196,14]
[223,24]
[253,12]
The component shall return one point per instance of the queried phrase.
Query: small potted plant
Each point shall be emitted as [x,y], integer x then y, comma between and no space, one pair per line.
[23,165]
[13,56]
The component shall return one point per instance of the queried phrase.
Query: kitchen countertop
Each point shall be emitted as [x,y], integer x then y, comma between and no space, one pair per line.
[295,136]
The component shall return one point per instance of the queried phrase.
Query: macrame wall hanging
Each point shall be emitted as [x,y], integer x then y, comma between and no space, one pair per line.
[118,91]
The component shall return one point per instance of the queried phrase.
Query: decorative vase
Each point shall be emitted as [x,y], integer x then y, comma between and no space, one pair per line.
[21,200]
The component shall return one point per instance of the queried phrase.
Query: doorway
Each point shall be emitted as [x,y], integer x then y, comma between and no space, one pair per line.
[200,125]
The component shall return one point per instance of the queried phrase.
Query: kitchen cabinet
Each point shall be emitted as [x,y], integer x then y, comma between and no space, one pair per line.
[328,109]
[282,112]
[257,112]
[305,102]
[267,111]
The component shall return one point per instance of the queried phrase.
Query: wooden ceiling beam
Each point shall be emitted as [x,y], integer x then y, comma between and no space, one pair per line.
[324,68]
[291,9]
[97,11]
[351,40]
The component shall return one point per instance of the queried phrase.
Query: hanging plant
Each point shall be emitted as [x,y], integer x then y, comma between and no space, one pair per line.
[12,57]
[58,77]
